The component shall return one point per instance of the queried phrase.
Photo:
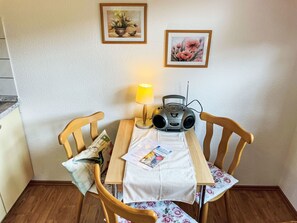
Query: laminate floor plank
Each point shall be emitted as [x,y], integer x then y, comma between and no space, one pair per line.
[253,206]
[91,210]
[45,204]
[59,203]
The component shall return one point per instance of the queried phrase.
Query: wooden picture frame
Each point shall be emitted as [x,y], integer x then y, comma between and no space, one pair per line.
[187,48]
[123,22]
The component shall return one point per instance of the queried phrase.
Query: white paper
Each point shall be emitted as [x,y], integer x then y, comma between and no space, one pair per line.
[147,154]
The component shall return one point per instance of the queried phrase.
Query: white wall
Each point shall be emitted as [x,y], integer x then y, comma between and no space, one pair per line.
[62,70]
[288,180]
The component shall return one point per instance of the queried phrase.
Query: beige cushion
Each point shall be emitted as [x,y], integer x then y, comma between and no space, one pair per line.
[82,170]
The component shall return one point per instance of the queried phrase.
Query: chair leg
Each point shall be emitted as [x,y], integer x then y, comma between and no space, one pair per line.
[227,205]
[102,218]
[204,213]
[81,202]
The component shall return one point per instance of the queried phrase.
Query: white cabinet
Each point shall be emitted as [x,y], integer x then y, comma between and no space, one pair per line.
[15,164]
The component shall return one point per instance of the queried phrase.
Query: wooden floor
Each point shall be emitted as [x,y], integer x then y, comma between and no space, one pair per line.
[58,203]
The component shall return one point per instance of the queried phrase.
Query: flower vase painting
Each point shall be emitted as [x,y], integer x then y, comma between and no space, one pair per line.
[123,23]
[187,48]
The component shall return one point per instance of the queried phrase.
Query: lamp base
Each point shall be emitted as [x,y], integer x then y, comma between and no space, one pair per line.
[148,124]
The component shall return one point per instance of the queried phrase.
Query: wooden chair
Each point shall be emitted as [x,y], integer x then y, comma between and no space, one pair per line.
[74,128]
[140,212]
[113,207]
[229,126]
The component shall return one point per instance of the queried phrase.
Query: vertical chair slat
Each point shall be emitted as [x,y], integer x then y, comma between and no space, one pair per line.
[223,148]
[80,144]
[68,149]
[237,156]
[207,140]
[94,129]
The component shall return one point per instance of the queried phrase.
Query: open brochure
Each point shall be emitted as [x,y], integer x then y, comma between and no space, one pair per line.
[154,157]
[147,154]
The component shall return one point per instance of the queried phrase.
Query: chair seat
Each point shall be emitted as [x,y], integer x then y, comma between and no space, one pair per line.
[223,182]
[167,211]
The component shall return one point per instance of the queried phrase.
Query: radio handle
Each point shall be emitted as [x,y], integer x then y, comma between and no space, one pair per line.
[174,96]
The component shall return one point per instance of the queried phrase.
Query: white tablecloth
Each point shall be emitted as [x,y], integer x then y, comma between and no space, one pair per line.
[173,179]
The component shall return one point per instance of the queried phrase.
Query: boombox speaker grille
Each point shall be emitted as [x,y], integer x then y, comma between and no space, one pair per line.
[189,122]
[159,121]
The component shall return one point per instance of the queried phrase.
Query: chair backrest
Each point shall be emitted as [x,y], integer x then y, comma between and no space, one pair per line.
[112,207]
[229,127]
[74,127]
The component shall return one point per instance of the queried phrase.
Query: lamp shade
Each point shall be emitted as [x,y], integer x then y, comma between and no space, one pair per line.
[145,94]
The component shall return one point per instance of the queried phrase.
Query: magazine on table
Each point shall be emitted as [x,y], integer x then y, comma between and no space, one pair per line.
[154,157]
[147,154]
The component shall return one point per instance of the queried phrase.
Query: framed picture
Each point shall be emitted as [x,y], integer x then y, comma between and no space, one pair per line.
[123,22]
[187,48]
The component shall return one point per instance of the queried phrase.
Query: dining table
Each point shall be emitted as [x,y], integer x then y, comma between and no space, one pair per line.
[116,169]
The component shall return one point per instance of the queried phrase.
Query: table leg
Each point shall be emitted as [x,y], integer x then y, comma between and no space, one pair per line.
[201,202]
[115,191]
[190,209]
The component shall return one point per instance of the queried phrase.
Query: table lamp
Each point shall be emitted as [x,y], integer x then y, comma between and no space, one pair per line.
[144,96]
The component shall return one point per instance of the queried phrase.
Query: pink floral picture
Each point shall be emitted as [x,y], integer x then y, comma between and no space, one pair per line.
[187,48]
